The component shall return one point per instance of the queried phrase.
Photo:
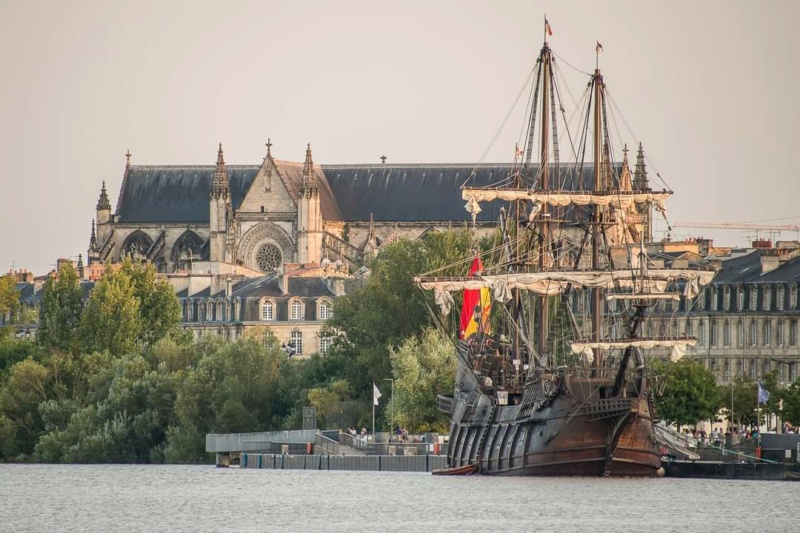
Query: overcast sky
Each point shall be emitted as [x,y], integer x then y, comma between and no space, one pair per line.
[709,87]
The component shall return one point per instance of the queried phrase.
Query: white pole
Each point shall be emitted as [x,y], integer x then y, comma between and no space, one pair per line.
[373,412]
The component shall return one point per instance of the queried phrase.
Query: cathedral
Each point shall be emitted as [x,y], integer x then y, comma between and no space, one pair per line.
[285,214]
[263,218]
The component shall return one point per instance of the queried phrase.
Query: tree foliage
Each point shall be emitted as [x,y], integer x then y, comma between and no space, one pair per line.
[423,367]
[390,308]
[9,301]
[690,393]
[60,314]
[128,308]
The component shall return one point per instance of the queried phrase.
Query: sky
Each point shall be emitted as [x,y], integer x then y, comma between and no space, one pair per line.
[708,87]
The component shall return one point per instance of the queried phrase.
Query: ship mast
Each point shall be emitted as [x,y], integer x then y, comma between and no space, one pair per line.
[596,294]
[543,325]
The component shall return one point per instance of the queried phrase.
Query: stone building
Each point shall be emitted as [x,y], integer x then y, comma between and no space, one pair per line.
[746,320]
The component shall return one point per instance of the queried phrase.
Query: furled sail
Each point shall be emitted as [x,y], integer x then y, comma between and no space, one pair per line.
[677,345]
[551,283]
[615,199]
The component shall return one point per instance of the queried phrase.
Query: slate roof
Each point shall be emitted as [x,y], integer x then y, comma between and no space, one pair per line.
[740,269]
[788,271]
[176,193]
[395,193]
[415,193]
[271,286]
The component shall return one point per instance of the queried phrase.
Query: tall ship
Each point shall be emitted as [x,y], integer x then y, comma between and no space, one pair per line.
[564,307]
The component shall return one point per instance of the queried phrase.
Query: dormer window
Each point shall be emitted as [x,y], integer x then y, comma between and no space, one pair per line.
[296,308]
[267,311]
[325,310]
[740,297]
[767,298]
[753,298]
[793,296]
[781,298]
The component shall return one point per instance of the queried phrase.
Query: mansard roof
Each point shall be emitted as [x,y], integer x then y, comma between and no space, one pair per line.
[740,269]
[392,193]
[270,286]
[788,271]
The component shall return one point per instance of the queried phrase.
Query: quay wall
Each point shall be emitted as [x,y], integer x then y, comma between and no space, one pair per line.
[373,463]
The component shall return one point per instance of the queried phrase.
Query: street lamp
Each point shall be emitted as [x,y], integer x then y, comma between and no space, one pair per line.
[391,409]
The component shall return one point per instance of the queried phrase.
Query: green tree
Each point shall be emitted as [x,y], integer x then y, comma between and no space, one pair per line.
[62,302]
[111,319]
[129,308]
[423,367]
[791,403]
[9,301]
[332,403]
[24,388]
[389,308]
[159,308]
[690,393]
[231,390]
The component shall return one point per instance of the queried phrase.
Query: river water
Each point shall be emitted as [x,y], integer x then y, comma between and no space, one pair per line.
[117,498]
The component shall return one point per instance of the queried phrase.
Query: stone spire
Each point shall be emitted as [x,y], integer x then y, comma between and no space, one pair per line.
[93,238]
[220,187]
[640,182]
[310,185]
[103,203]
[625,175]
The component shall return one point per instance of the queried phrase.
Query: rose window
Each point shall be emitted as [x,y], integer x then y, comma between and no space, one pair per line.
[268,257]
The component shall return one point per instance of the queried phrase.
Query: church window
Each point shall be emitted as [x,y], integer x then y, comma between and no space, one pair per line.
[137,245]
[268,257]
[726,334]
[713,333]
[296,344]
[793,333]
[325,310]
[701,334]
[753,333]
[267,311]
[779,334]
[767,333]
[297,310]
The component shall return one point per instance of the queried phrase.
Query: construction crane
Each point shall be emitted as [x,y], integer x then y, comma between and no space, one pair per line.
[733,225]
[771,228]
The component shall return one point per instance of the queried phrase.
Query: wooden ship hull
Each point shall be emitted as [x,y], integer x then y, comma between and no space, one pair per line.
[559,427]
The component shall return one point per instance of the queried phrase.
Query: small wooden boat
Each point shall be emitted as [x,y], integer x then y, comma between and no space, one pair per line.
[464,470]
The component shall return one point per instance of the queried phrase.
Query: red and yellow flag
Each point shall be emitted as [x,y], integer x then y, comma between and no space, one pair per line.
[476,306]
